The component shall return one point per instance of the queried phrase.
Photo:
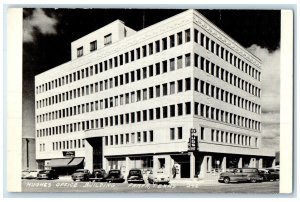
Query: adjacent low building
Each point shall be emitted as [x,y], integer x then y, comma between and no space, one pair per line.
[178,93]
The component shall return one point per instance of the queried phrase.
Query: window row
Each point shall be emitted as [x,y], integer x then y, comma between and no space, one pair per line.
[225,54]
[233,138]
[119,100]
[130,56]
[129,77]
[129,138]
[225,117]
[68,144]
[128,118]
[225,96]
[224,75]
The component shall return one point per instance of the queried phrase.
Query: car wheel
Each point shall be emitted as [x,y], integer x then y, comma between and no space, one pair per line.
[226,180]
[74,180]
[253,180]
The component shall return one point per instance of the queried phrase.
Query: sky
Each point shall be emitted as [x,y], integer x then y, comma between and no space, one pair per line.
[48,33]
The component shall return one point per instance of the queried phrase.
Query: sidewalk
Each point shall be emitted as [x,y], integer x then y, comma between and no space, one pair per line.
[208,180]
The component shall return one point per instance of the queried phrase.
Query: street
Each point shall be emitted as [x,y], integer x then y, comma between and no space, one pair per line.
[173,187]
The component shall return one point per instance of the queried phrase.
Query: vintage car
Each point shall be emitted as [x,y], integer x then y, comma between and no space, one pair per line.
[81,175]
[47,174]
[158,177]
[135,176]
[241,175]
[268,175]
[115,176]
[29,174]
[98,175]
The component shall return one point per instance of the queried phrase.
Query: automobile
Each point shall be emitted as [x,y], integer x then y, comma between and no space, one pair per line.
[115,176]
[135,175]
[98,175]
[241,175]
[268,176]
[81,175]
[47,174]
[158,177]
[29,174]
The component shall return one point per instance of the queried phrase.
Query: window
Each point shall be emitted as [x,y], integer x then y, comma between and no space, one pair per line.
[179,38]
[179,62]
[172,88]
[107,39]
[172,41]
[172,64]
[157,113]
[187,60]
[165,66]
[172,133]
[151,135]
[179,133]
[157,68]
[132,137]
[157,46]
[172,110]
[165,112]
[157,89]
[188,84]
[165,89]
[150,49]
[179,86]
[187,35]
[145,94]
[145,136]
[93,46]
[187,108]
[138,137]
[80,51]
[164,43]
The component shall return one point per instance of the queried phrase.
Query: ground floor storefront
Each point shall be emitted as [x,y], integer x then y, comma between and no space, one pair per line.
[63,166]
[188,165]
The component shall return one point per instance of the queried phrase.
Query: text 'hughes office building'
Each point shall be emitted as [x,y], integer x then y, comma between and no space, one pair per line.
[180,92]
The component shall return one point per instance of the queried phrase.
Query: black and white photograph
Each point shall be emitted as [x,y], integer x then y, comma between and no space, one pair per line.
[144,100]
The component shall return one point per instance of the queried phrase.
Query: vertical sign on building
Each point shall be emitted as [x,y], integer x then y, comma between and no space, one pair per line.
[193,140]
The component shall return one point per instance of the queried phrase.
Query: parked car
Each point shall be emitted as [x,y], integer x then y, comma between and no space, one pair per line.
[29,174]
[47,174]
[268,175]
[81,175]
[158,177]
[98,175]
[135,175]
[241,175]
[115,176]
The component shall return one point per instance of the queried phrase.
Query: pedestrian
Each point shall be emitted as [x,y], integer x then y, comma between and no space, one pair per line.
[174,171]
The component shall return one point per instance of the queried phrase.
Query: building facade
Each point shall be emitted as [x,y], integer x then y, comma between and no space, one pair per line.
[141,99]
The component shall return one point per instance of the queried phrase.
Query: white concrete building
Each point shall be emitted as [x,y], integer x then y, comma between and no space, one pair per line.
[129,99]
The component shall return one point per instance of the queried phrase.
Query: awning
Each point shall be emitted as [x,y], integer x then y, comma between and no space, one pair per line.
[65,162]
[75,161]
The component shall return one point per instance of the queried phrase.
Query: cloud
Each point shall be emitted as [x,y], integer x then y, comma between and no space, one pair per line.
[270,99]
[270,77]
[40,22]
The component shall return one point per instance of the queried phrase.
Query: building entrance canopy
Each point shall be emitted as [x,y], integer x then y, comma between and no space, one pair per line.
[66,162]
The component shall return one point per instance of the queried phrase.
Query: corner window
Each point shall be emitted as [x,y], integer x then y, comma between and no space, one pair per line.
[107,39]
[80,51]
[93,46]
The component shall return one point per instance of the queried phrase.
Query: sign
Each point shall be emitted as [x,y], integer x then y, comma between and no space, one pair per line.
[69,153]
[193,140]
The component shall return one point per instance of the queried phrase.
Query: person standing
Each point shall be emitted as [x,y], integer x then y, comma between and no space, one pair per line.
[174,171]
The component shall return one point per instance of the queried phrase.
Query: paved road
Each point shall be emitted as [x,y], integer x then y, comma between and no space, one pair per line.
[69,186]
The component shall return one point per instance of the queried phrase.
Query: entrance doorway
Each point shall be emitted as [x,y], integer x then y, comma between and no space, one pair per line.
[96,143]
[184,162]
